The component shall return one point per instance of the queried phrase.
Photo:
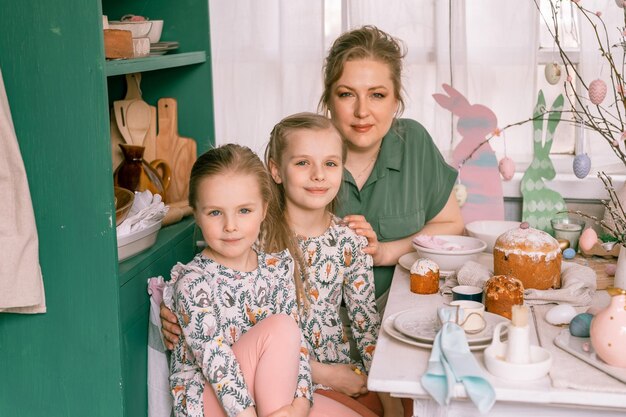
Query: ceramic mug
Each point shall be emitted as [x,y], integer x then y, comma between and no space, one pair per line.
[473,319]
[467,292]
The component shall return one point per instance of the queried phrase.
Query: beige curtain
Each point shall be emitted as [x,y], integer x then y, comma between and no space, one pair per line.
[21,284]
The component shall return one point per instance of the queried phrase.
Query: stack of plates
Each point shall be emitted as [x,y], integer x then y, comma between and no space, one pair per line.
[160,48]
[418,327]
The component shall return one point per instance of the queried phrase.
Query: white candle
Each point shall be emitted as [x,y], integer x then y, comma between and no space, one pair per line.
[569,231]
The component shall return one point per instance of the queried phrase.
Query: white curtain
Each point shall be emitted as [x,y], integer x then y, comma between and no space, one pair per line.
[267,63]
[268,55]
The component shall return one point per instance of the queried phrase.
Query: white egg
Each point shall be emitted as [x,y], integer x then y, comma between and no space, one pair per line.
[561,314]
[553,73]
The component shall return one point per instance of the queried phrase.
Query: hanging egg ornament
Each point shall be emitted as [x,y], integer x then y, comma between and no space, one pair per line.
[597,91]
[620,3]
[506,166]
[588,239]
[582,165]
[460,192]
[553,73]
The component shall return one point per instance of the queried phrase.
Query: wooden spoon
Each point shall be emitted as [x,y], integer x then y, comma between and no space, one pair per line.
[138,121]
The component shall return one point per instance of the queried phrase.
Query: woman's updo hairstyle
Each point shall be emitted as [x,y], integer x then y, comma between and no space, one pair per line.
[367,42]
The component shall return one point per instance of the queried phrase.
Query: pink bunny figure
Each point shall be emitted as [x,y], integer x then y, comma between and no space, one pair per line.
[479,174]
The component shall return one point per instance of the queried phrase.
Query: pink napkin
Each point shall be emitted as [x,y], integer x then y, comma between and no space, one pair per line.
[434,242]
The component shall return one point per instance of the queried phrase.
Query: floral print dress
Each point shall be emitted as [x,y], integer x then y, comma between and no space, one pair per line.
[337,269]
[215,305]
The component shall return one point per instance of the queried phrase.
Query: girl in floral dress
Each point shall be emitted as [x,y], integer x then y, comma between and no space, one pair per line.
[241,352]
[305,156]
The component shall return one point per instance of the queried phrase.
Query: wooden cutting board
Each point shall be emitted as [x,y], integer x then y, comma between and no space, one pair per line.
[179,152]
[133,92]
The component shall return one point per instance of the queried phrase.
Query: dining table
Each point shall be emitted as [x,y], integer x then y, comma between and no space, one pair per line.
[572,387]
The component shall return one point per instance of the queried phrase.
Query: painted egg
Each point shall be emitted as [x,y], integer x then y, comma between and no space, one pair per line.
[569,253]
[553,73]
[587,239]
[582,165]
[561,314]
[506,166]
[580,325]
[620,3]
[460,192]
[597,91]
[610,269]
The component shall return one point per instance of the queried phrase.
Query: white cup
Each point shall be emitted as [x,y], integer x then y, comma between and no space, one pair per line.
[473,319]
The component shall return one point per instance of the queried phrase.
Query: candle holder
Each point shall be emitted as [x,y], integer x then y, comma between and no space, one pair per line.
[569,229]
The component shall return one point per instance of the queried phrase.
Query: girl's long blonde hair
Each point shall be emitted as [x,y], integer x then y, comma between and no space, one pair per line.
[281,235]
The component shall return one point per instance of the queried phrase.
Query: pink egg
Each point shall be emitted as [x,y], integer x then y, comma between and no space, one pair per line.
[506,166]
[588,238]
[597,91]
[610,269]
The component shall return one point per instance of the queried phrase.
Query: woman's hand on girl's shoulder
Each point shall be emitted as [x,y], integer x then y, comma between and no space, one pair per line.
[169,327]
[362,227]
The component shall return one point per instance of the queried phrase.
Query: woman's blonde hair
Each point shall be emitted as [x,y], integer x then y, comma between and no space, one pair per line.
[367,42]
[282,235]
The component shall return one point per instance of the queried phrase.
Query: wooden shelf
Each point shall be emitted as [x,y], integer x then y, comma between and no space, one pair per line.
[167,238]
[151,63]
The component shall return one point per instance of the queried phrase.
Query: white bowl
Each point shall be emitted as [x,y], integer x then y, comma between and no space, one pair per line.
[139,241]
[155,31]
[452,260]
[138,29]
[489,230]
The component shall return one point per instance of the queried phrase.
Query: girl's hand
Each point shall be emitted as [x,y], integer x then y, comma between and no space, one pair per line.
[298,408]
[362,227]
[340,377]
[169,327]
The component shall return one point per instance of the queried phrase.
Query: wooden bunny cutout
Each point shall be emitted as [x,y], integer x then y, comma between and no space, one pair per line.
[541,203]
[479,174]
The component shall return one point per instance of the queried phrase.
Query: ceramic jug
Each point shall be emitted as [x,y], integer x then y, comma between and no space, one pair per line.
[135,174]
[608,331]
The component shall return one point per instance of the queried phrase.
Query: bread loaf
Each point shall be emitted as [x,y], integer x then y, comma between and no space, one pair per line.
[502,293]
[530,255]
[424,277]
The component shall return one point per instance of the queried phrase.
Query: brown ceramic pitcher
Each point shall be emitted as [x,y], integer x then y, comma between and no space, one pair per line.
[135,174]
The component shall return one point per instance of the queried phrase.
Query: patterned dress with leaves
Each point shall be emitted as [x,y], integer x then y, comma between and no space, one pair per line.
[215,305]
[337,269]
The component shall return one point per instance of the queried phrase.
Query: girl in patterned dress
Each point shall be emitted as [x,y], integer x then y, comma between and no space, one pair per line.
[305,156]
[241,352]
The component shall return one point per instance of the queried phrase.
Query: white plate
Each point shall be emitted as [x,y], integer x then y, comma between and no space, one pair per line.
[416,325]
[391,331]
[407,260]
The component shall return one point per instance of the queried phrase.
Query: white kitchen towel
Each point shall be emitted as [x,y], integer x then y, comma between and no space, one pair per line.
[21,283]
[578,284]
[159,396]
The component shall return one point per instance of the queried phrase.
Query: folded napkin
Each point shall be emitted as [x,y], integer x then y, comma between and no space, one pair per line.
[147,209]
[434,242]
[578,284]
[451,361]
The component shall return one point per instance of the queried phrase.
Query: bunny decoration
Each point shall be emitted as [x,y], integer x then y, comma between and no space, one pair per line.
[479,174]
[541,203]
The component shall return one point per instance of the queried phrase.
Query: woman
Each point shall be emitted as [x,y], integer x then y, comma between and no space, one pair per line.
[396,180]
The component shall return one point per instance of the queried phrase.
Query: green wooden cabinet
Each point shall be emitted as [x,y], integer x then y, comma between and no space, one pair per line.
[87,355]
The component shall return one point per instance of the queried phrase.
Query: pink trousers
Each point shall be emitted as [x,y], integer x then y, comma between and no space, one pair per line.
[269,357]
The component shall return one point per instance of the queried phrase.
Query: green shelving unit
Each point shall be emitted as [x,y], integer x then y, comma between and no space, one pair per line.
[87,355]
